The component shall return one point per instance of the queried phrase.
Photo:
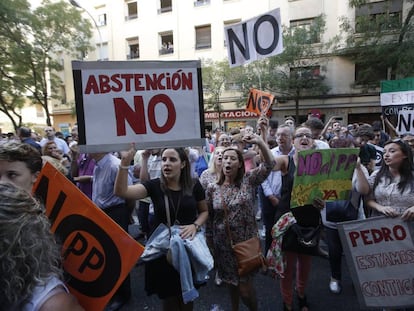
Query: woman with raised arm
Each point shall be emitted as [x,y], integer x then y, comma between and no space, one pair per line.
[286,263]
[187,209]
[233,195]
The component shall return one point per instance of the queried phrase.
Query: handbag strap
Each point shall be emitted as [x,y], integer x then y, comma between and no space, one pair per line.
[226,216]
[167,212]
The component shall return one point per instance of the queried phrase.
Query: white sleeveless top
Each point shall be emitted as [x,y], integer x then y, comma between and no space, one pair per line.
[42,293]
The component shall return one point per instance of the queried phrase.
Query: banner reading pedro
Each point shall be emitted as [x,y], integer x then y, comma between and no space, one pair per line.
[380,256]
[97,253]
[323,173]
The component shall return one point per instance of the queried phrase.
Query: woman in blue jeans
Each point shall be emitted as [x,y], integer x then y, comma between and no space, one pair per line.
[187,208]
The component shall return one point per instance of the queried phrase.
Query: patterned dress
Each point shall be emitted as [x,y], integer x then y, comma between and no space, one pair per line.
[241,214]
[207,177]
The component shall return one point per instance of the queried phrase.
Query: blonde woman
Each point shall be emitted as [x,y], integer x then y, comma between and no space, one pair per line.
[30,260]
[210,174]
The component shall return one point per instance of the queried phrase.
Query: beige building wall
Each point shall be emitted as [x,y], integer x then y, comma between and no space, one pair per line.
[112,42]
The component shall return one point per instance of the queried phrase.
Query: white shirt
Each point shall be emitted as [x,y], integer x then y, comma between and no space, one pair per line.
[273,183]
[60,144]
[41,293]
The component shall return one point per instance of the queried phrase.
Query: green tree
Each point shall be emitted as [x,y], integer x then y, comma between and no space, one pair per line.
[215,76]
[380,41]
[33,43]
[298,71]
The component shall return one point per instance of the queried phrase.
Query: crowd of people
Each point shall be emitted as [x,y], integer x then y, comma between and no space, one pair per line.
[238,178]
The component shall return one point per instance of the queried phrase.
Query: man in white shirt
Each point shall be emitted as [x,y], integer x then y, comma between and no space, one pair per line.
[50,136]
[273,183]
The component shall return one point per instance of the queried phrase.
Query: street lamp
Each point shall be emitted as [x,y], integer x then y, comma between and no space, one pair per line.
[76,4]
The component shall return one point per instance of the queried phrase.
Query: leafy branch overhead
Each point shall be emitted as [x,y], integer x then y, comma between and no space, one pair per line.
[380,41]
[34,43]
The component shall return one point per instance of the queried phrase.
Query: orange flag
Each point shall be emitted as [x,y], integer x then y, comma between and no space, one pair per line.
[97,253]
[259,102]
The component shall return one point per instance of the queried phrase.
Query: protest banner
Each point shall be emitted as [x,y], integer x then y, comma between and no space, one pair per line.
[151,103]
[397,101]
[259,102]
[380,256]
[323,173]
[97,253]
[254,39]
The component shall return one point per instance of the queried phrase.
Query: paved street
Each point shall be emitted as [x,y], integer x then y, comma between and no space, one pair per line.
[268,292]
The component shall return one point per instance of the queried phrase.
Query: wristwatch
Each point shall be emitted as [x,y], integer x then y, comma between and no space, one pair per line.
[197,226]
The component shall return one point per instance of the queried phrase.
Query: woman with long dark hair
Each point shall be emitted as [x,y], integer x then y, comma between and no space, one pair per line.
[233,195]
[187,209]
[392,185]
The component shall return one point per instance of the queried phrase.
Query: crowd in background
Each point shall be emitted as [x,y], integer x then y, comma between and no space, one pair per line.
[246,172]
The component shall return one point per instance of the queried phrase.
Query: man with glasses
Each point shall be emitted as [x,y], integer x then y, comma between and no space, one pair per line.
[269,192]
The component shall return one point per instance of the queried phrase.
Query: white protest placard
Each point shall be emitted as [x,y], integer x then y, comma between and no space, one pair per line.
[254,39]
[380,256]
[405,123]
[151,103]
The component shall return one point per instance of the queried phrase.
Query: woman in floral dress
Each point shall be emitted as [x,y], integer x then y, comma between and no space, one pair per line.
[234,190]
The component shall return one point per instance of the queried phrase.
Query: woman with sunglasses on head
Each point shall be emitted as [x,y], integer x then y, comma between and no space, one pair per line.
[392,186]
[232,215]
[306,216]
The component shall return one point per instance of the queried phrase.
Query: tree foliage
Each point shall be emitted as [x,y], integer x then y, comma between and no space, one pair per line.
[380,41]
[298,71]
[33,43]
[215,76]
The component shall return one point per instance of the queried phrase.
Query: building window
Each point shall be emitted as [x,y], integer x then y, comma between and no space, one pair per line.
[40,113]
[165,6]
[307,28]
[378,16]
[102,19]
[201,2]
[102,51]
[62,94]
[132,10]
[368,73]
[133,48]
[228,23]
[309,72]
[166,43]
[203,37]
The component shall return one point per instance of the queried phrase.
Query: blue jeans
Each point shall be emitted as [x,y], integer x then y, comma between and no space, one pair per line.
[192,260]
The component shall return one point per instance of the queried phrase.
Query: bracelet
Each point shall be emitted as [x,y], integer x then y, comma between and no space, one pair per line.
[123,167]
[197,226]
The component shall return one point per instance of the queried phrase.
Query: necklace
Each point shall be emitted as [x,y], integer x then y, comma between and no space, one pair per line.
[172,198]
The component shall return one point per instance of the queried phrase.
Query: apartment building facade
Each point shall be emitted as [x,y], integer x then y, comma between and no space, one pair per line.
[136,30]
